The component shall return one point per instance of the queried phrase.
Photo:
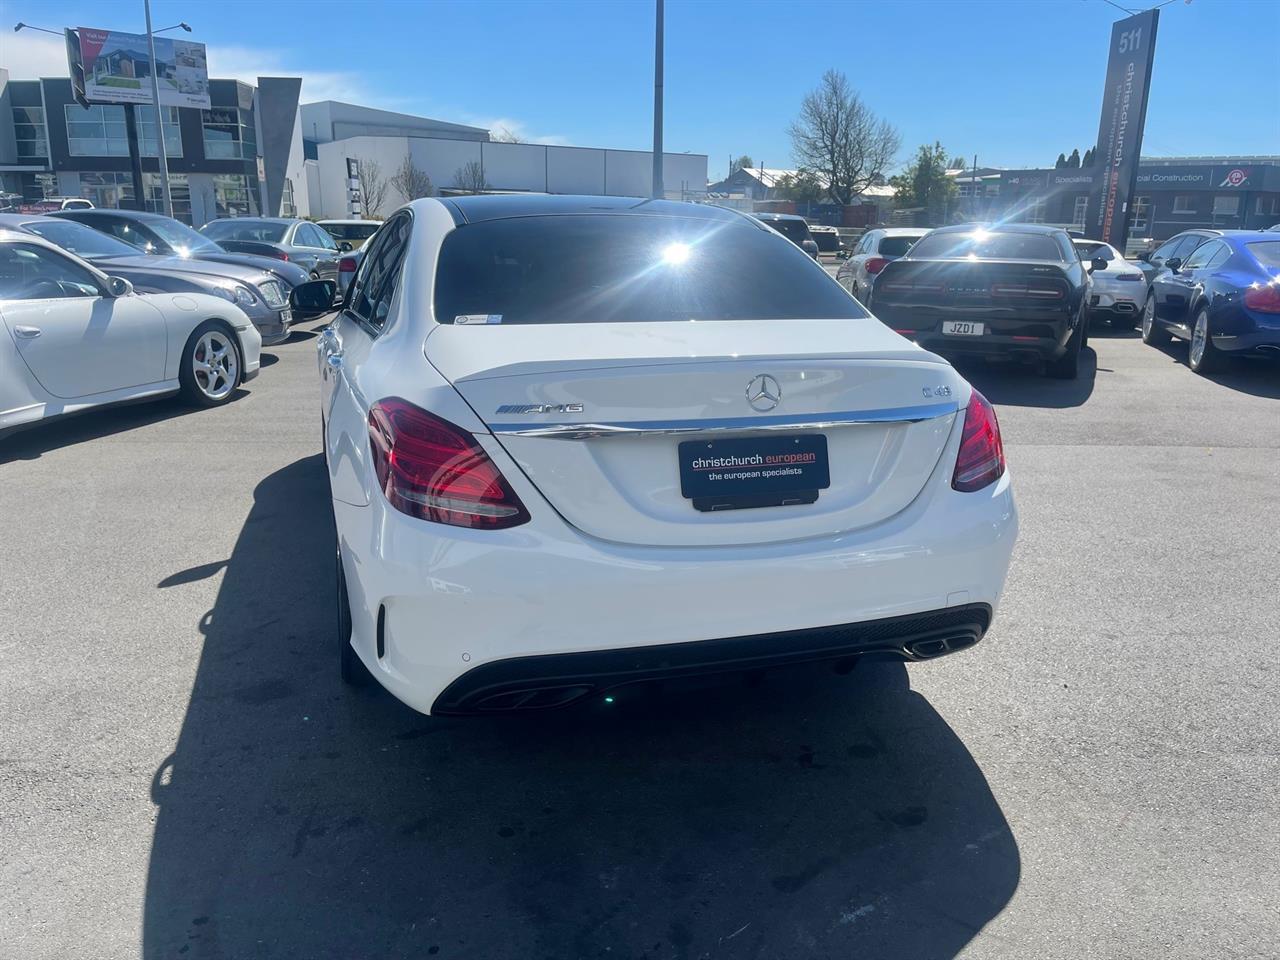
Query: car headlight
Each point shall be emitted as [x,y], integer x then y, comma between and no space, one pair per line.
[273,293]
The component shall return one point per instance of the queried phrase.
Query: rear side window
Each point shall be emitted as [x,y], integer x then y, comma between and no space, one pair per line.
[629,269]
[896,246]
[794,230]
[983,245]
[379,274]
[1206,253]
[1266,252]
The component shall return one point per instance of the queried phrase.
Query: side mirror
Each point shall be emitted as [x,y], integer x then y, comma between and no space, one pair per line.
[1173,263]
[1145,256]
[1099,263]
[842,254]
[345,246]
[119,286]
[313,298]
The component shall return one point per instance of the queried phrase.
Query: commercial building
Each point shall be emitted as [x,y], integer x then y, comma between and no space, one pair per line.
[459,158]
[258,151]
[243,156]
[1173,194]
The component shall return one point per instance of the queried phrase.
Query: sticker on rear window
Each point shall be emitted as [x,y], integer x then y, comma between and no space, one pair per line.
[478,318]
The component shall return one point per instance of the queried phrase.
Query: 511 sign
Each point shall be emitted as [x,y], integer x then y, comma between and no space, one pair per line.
[1130,40]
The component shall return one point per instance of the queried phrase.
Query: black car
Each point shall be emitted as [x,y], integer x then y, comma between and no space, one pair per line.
[164,236]
[794,228]
[1016,291]
[285,238]
[1224,298]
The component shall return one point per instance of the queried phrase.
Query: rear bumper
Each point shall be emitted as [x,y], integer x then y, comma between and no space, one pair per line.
[996,346]
[432,603]
[554,680]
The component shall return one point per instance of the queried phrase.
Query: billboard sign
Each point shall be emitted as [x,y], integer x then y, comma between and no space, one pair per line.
[1124,113]
[115,67]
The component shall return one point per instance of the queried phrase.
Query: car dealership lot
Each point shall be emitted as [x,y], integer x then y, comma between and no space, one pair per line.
[181,773]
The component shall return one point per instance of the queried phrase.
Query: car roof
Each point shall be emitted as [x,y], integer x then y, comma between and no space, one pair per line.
[257,220]
[473,209]
[353,223]
[114,212]
[780,216]
[1244,236]
[900,231]
[1042,229]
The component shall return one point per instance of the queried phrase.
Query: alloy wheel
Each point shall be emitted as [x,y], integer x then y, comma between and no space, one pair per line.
[215,364]
[1199,336]
[1148,317]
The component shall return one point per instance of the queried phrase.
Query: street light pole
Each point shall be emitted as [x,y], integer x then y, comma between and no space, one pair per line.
[658,191]
[155,102]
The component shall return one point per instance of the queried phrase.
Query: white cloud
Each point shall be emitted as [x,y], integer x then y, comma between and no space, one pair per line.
[516,127]
[31,55]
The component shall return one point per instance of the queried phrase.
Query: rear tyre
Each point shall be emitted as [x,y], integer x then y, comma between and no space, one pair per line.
[210,368]
[1202,355]
[1152,333]
[354,672]
[1067,367]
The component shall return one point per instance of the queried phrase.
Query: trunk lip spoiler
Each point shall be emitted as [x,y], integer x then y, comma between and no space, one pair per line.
[809,421]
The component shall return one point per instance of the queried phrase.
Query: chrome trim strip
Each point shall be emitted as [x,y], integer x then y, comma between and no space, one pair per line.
[593,431]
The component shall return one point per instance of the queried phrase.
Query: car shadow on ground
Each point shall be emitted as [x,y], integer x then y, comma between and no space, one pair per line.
[1024,385]
[1258,376]
[31,442]
[809,815]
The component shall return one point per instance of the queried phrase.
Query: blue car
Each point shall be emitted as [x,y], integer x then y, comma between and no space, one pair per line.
[1225,299]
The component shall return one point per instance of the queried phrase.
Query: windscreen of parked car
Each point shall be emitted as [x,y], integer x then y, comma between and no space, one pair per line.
[1266,252]
[260,230]
[78,239]
[985,245]
[182,238]
[620,269]
[896,246]
[355,232]
[793,230]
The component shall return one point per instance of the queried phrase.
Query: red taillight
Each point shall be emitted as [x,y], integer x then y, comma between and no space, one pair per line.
[1026,290]
[433,470]
[278,254]
[981,458]
[1264,299]
[876,264]
[347,265]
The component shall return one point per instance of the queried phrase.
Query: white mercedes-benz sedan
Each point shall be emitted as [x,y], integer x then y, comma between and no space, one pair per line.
[73,338]
[576,443]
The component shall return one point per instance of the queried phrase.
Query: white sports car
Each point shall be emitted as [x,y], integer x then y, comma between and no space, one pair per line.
[576,443]
[72,338]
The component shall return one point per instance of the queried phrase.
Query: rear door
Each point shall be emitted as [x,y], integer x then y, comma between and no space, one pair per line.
[1175,289]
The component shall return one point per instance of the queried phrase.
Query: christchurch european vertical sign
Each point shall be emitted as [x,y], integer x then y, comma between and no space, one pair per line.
[1124,113]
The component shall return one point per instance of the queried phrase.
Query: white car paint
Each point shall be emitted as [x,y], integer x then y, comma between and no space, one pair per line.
[1121,288]
[612,556]
[853,274]
[62,355]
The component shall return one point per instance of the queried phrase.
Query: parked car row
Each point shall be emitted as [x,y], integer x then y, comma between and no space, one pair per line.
[1032,292]
[102,306]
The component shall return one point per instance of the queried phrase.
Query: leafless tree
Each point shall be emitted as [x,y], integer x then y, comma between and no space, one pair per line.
[411,181]
[839,138]
[373,186]
[469,178]
[502,134]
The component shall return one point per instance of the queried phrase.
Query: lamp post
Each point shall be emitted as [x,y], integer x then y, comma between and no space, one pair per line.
[658,191]
[162,153]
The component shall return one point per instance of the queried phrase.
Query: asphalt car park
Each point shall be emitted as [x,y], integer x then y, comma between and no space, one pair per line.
[183,775]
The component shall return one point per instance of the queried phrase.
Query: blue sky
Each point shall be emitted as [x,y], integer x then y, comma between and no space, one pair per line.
[1016,81]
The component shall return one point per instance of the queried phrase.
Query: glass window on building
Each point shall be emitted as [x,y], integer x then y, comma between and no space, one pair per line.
[287,206]
[1226,206]
[1184,203]
[229,134]
[1078,215]
[146,117]
[1140,215]
[96,131]
[1035,211]
[179,193]
[29,131]
[235,195]
[107,189]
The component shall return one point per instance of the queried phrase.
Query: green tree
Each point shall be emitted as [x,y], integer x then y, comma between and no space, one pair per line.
[803,186]
[1061,162]
[1088,158]
[744,162]
[1073,161]
[924,183]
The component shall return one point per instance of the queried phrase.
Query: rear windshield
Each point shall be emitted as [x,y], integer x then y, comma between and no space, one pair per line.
[1267,252]
[986,246]
[351,231]
[81,240]
[896,246]
[622,269]
[797,231]
[260,230]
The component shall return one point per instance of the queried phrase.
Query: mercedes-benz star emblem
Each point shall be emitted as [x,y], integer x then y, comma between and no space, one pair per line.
[763,393]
